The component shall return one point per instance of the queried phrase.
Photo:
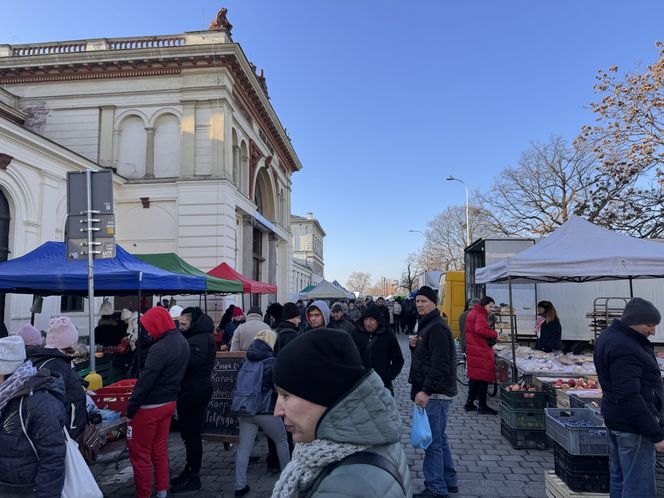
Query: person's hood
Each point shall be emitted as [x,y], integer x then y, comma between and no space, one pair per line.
[157,321]
[366,416]
[204,325]
[324,309]
[380,330]
[37,354]
[254,316]
[259,350]
[44,380]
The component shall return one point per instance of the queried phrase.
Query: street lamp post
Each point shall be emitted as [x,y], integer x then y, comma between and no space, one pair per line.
[453,179]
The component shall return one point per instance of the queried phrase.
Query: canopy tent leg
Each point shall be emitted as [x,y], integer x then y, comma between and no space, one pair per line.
[515,371]
[631,287]
[138,333]
[205,301]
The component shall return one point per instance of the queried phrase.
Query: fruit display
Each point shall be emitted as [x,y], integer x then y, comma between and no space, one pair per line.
[580,383]
[520,387]
[536,362]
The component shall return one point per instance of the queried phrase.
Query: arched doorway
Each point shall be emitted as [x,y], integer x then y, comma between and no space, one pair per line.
[5,219]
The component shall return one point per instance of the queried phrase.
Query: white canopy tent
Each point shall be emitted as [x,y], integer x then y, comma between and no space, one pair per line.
[349,294]
[324,290]
[577,251]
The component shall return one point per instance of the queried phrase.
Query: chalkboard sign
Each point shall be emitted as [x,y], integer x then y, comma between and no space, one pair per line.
[219,424]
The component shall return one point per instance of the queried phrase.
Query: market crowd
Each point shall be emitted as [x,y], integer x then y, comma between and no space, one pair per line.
[317,381]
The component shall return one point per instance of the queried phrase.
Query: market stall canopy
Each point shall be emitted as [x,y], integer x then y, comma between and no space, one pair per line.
[579,251]
[225,272]
[170,261]
[325,290]
[307,288]
[349,294]
[47,271]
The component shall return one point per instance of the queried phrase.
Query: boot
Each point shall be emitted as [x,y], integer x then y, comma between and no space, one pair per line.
[191,483]
[470,406]
[184,475]
[485,410]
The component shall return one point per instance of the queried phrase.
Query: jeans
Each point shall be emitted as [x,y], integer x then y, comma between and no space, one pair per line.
[439,470]
[273,428]
[632,465]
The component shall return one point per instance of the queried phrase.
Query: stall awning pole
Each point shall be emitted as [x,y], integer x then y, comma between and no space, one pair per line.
[515,371]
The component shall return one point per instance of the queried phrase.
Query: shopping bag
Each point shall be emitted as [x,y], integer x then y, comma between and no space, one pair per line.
[79,481]
[420,431]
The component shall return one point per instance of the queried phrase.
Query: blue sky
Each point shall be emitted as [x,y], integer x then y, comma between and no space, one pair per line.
[384,99]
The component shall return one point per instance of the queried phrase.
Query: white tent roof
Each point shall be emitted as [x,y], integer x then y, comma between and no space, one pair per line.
[349,294]
[579,251]
[324,290]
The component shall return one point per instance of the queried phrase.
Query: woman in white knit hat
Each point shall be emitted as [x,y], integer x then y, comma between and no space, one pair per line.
[61,338]
[31,420]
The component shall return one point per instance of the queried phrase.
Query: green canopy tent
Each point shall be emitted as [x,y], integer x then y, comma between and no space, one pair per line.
[172,262]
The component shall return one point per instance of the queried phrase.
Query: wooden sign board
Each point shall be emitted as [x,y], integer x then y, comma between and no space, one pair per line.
[219,424]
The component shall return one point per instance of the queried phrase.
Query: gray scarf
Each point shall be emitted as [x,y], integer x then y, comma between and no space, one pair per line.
[15,382]
[308,461]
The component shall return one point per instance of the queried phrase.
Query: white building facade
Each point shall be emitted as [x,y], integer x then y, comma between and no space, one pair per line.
[202,163]
[308,255]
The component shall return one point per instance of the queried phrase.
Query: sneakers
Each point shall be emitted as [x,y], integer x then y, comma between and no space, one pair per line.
[469,406]
[242,492]
[191,483]
[485,410]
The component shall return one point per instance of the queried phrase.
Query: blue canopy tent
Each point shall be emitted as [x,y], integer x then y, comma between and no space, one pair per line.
[47,271]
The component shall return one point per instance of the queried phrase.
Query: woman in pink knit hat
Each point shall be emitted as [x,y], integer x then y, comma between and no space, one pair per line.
[61,338]
[31,335]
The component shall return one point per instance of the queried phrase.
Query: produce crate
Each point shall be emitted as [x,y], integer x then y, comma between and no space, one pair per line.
[584,482]
[583,402]
[556,488]
[523,400]
[523,419]
[579,430]
[523,438]
[116,396]
[580,463]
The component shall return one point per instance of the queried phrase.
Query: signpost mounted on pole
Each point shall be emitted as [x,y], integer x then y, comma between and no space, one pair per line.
[95,208]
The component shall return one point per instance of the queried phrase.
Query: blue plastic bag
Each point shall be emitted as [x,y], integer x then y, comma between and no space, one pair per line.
[420,432]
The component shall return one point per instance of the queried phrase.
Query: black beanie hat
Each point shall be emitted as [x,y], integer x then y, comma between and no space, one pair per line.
[640,312]
[275,310]
[429,293]
[290,311]
[319,366]
[372,311]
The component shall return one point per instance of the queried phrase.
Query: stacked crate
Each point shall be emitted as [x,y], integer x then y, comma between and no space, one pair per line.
[581,448]
[522,419]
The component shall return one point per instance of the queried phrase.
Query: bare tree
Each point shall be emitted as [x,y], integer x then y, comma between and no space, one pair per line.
[409,275]
[445,237]
[359,281]
[551,180]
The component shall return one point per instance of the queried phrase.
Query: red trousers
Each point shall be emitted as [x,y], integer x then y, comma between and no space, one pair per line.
[147,438]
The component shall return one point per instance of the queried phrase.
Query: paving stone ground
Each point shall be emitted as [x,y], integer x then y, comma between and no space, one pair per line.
[486,463]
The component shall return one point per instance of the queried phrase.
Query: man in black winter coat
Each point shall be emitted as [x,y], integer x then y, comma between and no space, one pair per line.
[289,326]
[338,320]
[378,346]
[39,396]
[195,393]
[632,399]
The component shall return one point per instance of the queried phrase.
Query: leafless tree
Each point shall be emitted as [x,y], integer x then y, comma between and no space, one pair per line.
[409,275]
[359,281]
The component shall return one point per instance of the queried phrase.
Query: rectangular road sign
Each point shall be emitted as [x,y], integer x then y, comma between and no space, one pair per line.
[102,192]
[106,225]
[78,249]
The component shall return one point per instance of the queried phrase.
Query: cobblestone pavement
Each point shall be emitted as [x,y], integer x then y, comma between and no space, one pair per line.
[486,463]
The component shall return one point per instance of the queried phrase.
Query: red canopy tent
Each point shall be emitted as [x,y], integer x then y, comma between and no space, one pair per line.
[249,286]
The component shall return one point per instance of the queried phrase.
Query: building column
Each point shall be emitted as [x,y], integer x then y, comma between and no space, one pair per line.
[149,155]
[247,256]
[272,259]
[188,139]
[105,153]
[236,167]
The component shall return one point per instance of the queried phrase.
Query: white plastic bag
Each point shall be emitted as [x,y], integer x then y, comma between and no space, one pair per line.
[79,481]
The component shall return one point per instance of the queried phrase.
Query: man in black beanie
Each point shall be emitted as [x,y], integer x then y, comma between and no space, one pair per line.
[288,327]
[632,399]
[345,424]
[433,387]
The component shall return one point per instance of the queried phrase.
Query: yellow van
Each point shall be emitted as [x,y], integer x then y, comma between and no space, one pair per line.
[452,298]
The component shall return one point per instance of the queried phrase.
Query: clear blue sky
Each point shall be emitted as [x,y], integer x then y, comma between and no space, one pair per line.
[384,99]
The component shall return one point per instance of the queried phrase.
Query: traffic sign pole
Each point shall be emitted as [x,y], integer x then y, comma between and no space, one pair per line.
[93,378]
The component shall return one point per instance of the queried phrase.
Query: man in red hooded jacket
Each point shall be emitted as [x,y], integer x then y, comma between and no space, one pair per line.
[153,401]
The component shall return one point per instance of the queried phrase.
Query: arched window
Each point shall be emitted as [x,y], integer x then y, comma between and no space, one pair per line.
[167,146]
[132,147]
[258,198]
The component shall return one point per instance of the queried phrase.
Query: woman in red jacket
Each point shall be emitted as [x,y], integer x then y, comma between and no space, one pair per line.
[479,355]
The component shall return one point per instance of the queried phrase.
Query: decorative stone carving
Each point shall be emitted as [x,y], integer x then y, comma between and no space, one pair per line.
[5,159]
[220,22]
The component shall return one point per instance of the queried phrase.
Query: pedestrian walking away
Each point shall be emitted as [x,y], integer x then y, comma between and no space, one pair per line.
[344,422]
[153,402]
[32,416]
[632,399]
[433,387]
[247,332]
[195,393]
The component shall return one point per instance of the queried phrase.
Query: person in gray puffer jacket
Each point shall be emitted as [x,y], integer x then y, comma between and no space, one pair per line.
[344,422]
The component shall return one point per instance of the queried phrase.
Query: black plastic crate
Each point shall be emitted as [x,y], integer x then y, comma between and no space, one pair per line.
[579,463]
[585,402]
[584,482]
[523,438]
[552,394]
[532,419]
[523,400]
